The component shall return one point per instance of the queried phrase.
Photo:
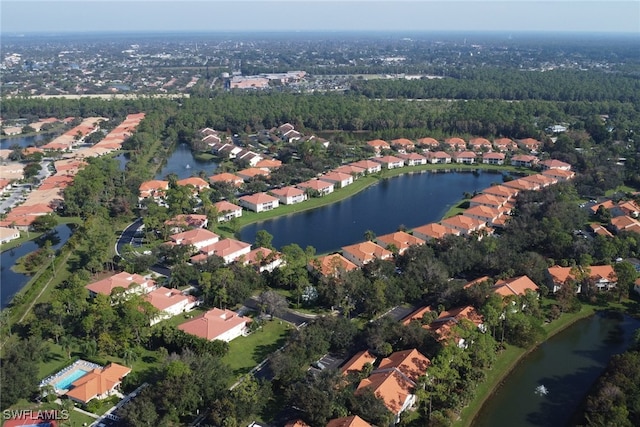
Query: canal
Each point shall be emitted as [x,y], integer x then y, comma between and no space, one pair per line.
[12,282]
[411,200]
[184,165]
[565,367]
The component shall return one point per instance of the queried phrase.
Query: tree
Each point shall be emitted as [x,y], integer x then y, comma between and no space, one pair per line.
[369,235]
[272,303]
[626,275]
[45,223]
[263,239]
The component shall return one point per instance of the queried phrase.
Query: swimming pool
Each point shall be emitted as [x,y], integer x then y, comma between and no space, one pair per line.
[65,383]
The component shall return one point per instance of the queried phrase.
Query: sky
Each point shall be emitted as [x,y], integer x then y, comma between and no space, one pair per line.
[77,16]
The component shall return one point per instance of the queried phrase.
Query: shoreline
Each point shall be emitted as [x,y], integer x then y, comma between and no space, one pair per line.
[468,419]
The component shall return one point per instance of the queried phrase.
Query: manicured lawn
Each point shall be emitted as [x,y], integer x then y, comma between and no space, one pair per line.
[457,209]
[620,189]
[245,353]
[55,359]
[181,318]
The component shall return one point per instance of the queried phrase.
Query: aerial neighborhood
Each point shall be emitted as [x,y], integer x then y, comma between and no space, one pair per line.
[194,235]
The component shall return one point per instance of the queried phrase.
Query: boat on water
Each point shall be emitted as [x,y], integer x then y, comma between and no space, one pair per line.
[188,166]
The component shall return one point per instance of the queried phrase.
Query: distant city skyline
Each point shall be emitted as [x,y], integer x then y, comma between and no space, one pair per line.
[77,16]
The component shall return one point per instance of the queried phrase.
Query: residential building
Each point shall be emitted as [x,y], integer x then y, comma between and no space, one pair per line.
[434,231]
[153,188]
[555,164]
[524,160]
[413,159]
[355,171]
[559,174]
[227,211]
[263,259]
[542,180]
[501,191]
[289,195]
[268,164]
[131,283]
[438,157]
[259,202]
[417,316]
[196,182]
[198,238]
[321,187]
[489,200]
[625,223]
[492,216]
[98,384]
[395,379]
[226,177]
[456,144]
[448,319]
[603,276]
[480,144]
[466,157]
[390,162]
[629,208]
[517,286]
[339,180]
[365,252]
[350,421]
[401,240]
[522,184]
[251,173]
[598,229]
[493,158]
[331,265]
[530,144]
[217,324]
[8,234]
[403,145]
[228,249]
[428,143]
[357,363]
[170,302]
[464,224]
[505,144]
[183,222]
[379,145]
[368,165]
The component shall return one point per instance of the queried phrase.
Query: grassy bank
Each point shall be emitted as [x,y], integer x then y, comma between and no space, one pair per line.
[508,359]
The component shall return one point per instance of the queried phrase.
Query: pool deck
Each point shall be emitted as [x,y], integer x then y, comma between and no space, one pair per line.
[66,373]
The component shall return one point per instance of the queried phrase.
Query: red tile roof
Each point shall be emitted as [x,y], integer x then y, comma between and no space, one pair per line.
[514,286]
[213,323]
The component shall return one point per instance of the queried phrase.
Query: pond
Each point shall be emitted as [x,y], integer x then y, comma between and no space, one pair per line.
[12,282]
[412,200]
[184,165]
[548,386]
[22,141]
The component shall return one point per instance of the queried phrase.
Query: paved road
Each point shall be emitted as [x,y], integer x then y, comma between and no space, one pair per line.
[290,316]
[128,235]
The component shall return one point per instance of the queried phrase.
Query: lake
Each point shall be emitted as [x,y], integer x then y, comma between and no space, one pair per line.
[12,282]
[412,200]
[22,141]
[184,165]
[567,365]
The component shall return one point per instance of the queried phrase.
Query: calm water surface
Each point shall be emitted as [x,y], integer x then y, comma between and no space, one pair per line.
[411,200]
[567,365]
[22,141]
[10,281]
[183,164]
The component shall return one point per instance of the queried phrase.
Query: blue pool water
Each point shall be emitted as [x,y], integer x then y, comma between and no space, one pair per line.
[70,379]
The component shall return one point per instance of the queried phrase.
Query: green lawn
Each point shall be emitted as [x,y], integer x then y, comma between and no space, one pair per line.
[245,353]
[620,189]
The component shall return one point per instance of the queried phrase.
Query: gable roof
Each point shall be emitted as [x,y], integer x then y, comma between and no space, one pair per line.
[411,363]
[351,421]
[367,251]
[514,286]
[192,237]
[226,177]
[224,206]
[258,198]
[329,265]
[194,181]
[400,239]
[289,191]
[358,361]
[435,230]
[162,298]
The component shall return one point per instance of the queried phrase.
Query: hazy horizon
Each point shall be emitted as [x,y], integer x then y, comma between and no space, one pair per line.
[352,16]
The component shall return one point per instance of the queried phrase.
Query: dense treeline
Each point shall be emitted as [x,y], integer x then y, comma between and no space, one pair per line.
[509,84]
[319,112]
